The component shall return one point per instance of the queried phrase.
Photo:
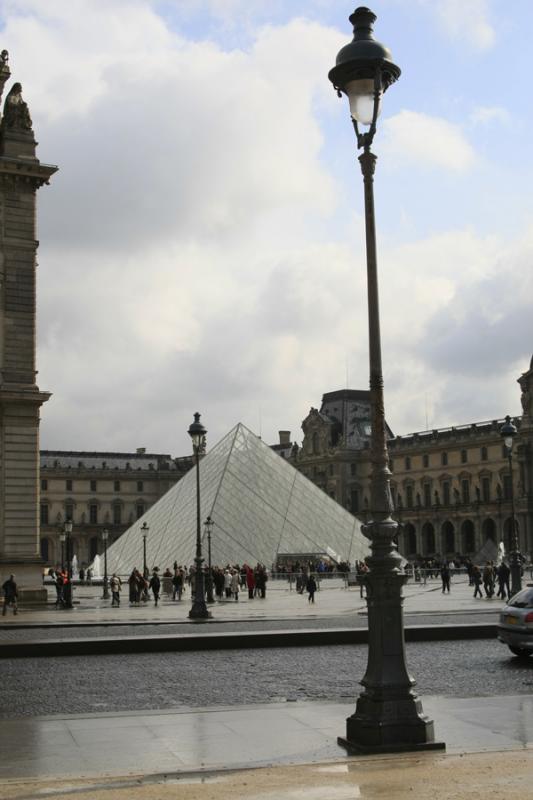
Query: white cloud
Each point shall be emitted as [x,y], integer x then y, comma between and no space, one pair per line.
[426,140]
[483,115]
[468,22]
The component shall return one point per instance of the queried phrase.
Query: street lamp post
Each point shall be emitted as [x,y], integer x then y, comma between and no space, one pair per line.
[68,556]
[62,537]
[144,530]
[508,432]
[388,715]
[208,524]
[105,595]
[198,611]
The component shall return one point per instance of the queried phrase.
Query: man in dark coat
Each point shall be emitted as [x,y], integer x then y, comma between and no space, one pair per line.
[155,586]
[9,588]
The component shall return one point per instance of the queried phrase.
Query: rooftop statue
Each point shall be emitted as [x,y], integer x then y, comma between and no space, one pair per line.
[16,112]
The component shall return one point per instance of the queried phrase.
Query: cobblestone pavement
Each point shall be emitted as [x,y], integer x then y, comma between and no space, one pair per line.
[79,684]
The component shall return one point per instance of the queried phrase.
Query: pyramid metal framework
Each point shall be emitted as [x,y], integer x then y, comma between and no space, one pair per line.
[260,504]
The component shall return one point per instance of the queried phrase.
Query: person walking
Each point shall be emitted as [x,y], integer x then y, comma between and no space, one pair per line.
[227,583]
[477,580]
[235,584]
[250,582]
[116,586]
[445,577]
[177,583]
[488,579]
[155,585]
[10,591]
[311,588]
[503,574]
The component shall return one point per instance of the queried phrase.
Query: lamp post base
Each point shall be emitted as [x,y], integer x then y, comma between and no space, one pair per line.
[357,748]
[199,611]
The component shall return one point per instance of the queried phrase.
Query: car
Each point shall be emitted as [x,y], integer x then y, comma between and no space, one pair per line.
[516,623]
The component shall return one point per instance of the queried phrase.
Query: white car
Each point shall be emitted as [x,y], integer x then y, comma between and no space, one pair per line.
[516,623]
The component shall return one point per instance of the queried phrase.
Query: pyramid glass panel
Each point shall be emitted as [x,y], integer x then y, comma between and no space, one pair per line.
[261,507]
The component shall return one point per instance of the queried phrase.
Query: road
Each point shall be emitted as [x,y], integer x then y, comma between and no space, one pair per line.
[81,684]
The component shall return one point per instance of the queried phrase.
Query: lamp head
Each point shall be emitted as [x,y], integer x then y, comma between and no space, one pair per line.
[197,432]
[508,431]
[144,529]
[105,535]
[68,527]
[364,69]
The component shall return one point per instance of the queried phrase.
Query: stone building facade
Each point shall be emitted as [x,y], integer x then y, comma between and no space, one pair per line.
[451,486]
[99,491]
[21,175]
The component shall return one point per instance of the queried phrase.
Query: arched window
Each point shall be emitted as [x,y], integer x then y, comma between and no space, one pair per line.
[489,530]
[448,538]
[93,547]
[468,537]
[428,539]
[410,539]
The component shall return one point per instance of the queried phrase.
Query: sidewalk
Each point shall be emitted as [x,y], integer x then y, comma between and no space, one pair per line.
[54,755]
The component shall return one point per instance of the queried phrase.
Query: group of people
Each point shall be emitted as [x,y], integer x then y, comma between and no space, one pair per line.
[489,577]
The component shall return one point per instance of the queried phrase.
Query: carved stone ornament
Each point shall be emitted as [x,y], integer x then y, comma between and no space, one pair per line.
[16,112]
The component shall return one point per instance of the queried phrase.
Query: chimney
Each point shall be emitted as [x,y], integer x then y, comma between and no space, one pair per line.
[285,437]
[141,451]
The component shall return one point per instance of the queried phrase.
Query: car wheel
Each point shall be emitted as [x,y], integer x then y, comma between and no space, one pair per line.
[520,652]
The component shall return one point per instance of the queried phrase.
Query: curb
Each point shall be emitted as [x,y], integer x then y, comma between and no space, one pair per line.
[234,641]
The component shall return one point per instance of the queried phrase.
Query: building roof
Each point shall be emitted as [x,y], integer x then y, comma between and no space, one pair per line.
[78,459]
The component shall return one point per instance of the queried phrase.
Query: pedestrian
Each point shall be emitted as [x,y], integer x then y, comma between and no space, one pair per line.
[261,581]
[134,587]
[488,579]
[477,580]
[155,585]
[116,586]
[10,591]
[167,583]
[311,588]
[82,576]
[503,574]
[234,584]
[227,583]
[89,576]
[177,583]
[250,582]
[445,577]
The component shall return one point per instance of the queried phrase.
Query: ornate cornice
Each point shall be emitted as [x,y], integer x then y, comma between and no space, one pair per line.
[21,173]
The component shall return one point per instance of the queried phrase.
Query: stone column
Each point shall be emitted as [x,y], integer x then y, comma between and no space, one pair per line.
[21,174]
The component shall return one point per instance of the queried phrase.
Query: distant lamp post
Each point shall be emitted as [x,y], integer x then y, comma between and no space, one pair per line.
[197,432]
[62,537]
[508,431]
[68,556]
[388,715]
[208,524]
[144,530]
[105,536]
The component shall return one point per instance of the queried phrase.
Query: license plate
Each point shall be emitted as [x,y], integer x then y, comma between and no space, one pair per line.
[511,621]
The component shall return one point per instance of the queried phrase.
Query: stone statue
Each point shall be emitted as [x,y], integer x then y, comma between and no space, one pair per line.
[16,112]
[4,57]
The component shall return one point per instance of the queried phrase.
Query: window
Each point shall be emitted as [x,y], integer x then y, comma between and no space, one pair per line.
[465,491]
[68,485]
[464,456]
[507,488]
[444,459]
[44,514]
[140,510]
[446,493]
[407,462]
[332,495]
[117,515]
[94,486]
[45,549]
[44,485]
[484,454]
[427,495]
[93,514]
[69,511]
[116,486]
[485,489]
[140,484]
[353,469]
[425,460]
[409,496]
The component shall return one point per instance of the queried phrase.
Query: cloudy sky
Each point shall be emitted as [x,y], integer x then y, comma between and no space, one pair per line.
[202,246]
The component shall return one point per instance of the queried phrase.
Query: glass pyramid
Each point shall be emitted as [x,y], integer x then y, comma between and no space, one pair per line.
[260,505]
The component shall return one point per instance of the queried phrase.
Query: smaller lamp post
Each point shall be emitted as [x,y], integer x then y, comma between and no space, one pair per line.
[208,524]
[68,555]
[198,611]
[144,530]
[508,432]
[62,537]
[105,535]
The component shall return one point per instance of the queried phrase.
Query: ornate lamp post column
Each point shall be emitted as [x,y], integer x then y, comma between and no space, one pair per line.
[388,716]
[197,432]
[105,535]
[62,537]
[144,530]
[68,555]
[208,524]
[508,432]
